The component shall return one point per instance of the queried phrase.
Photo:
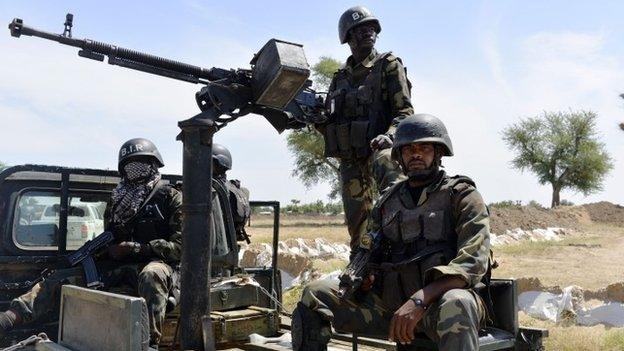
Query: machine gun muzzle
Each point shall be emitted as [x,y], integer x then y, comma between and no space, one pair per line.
[16,27]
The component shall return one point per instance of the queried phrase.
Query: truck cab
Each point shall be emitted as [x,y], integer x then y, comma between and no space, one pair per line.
[47,212]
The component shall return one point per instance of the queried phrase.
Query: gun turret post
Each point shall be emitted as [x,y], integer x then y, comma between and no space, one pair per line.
[196,137]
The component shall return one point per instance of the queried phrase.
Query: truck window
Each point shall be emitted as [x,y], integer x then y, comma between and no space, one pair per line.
[37,217]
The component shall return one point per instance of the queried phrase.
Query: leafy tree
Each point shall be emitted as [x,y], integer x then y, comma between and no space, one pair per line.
[307,145]
[561,148]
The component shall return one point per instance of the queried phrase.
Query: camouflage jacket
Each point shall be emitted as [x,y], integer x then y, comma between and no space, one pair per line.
[460,221]
[158,224]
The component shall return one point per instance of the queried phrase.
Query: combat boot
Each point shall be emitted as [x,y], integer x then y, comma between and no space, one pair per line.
[8,319]
[309,331]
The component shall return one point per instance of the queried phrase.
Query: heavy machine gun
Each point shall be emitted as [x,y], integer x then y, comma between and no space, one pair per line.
[276,86]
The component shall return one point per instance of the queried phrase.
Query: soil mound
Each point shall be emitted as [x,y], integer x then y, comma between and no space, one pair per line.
[532,217]
[606,212]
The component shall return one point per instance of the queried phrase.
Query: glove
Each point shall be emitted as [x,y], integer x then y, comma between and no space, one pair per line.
[124,249]
[381,142]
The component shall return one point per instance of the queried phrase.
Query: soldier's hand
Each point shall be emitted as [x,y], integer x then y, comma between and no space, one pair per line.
[367,283]
[381,142]
[121,250]
[404,322]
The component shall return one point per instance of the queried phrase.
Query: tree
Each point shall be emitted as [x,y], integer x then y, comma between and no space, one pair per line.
[561,148]
[311,166]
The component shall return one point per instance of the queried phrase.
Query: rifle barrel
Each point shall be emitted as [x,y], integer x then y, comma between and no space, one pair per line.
[117,53]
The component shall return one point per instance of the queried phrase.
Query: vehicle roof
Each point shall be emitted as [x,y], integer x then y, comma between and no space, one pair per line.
[82,175]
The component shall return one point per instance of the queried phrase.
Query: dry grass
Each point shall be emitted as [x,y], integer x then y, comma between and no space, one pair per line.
[576,338]
[331,228]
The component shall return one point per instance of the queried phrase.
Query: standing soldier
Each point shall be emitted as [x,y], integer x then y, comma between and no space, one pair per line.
[433,257]
[144,217]
[366,100]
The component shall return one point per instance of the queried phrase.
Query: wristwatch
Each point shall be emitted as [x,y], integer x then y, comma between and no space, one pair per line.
[418,302]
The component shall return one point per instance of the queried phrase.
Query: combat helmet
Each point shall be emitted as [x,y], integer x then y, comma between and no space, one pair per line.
[355,16]
[222,156]
[421,128]
[138,147]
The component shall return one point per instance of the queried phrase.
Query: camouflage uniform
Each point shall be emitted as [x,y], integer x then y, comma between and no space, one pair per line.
[462,222]
[364,100]
[152,278]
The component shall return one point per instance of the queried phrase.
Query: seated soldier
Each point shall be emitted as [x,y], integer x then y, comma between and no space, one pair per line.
[435,250]
[144,217]
[238,196]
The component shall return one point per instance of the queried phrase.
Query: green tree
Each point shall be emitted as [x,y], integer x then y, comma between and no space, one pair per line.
[306,144]
[562,149]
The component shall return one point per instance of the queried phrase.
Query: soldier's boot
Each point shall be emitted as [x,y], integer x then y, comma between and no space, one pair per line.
[8,320]
[309,331]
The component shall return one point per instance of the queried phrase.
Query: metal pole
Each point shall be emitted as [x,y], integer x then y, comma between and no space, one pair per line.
[196,137]
[276,221]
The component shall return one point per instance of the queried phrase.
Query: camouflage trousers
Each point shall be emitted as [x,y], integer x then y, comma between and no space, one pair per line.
[452,322]
[360,182]
[152,281]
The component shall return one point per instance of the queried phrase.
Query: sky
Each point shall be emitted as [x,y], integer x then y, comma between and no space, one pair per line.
[478,65]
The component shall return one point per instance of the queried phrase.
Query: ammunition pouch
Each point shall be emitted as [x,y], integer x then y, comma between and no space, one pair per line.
[347,140]
[309,331]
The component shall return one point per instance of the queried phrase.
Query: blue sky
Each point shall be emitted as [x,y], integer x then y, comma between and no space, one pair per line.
[478,65]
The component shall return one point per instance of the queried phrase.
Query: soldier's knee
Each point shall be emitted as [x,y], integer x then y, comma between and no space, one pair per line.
[316,289]
[456,299]
[319,292]
[155,272]
[458,307]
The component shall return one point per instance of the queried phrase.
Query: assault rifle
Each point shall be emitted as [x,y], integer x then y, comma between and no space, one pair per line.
[361,265]
[84,256]
[276,86]
[368,260]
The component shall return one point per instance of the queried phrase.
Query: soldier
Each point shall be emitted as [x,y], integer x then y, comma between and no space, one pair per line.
[144,216]
[434,256]
[238,196]
[366,100]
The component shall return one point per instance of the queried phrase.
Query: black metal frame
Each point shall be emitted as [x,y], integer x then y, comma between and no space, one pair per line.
[274,270]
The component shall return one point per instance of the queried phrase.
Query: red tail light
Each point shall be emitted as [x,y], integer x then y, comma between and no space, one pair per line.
[84,230]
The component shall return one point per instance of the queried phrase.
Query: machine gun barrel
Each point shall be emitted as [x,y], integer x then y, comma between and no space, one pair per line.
[121,56]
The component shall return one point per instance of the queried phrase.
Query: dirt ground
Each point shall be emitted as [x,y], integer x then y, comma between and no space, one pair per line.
[592,257]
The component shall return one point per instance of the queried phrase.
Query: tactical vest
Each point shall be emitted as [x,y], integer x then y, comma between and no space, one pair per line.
[151,222]
[417,239]
[358,112]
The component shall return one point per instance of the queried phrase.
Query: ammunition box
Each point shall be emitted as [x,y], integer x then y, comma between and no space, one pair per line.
[237,325]
[279,72]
